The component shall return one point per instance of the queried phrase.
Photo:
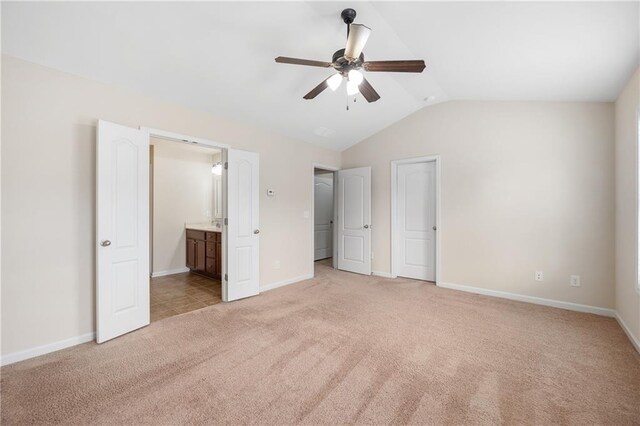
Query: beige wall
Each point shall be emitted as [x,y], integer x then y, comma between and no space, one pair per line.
[182,193]
[526,186]
[48,194]
[627,298]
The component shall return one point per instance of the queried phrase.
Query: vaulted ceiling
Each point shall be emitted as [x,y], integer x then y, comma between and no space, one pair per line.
[219,57]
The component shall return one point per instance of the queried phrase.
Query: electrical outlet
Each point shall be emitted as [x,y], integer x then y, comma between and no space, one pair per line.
[574,281]
[539,276]
[371,255]
[305,214]
[276,264]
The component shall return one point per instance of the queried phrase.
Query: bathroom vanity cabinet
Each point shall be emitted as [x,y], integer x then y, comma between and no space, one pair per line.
[204,252]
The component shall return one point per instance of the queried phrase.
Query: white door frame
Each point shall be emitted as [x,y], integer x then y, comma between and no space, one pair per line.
[191,140]
[331,169]
[394,210]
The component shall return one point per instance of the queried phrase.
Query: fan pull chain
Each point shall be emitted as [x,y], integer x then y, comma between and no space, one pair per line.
[355,97]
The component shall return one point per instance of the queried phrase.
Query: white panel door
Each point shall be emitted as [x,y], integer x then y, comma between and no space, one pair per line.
[323,217]
[417,220]
[354,220]
[122,237]
[243,257]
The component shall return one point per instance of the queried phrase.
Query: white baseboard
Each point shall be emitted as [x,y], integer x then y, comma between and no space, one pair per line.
[381,274]
[169,272]
[45,349]
[62,344]
[286,282]
[532,299]
[634,341]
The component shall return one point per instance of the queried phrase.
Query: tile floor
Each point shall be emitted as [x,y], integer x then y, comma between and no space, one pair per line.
[179,293]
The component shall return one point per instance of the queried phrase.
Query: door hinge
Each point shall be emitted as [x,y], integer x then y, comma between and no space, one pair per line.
[226,165]
[226,277]
[226,221]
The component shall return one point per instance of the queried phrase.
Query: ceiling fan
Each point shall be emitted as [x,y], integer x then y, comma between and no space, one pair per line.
[349,61]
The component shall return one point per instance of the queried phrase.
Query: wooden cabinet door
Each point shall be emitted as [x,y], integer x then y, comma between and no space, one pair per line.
[200,256]
[191,253]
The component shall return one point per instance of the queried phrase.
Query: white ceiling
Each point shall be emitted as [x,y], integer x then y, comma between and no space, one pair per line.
[219,57]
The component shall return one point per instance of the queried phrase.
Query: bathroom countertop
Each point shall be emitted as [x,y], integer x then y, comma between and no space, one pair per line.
[209,227]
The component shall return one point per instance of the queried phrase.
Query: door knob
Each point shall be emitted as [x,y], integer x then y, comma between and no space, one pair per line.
[105,243]
[366,227]
[256,231]
[434,228]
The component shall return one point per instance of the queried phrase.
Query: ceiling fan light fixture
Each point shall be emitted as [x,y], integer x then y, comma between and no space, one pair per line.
[356,76]
[352,88]
[334,81]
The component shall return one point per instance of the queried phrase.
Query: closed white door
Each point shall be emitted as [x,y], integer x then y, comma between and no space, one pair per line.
[122,237]
[354,220]
[416,242]
[323,217]
[243,256]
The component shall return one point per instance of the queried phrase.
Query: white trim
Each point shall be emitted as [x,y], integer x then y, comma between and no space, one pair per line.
[45,349]
[325,167]
[286,282]
[637,195]
[394,202]
[333,170]
[73,341]
[169,272]
[634,341]
[381,274]
[177,137]
[531,299]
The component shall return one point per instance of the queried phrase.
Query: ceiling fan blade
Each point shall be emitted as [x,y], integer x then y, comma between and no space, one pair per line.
[395,66]
[358,36]
[296,61]
[367,90]
[318,89]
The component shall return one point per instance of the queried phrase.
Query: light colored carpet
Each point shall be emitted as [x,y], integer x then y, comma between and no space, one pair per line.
[342,349]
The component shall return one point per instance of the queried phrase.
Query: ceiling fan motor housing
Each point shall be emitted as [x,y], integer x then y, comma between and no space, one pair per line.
[342,64]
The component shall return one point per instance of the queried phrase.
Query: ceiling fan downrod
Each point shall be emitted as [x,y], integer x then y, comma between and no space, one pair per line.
[348,16]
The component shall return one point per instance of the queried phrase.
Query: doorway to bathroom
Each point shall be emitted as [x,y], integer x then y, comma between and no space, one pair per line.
[123,226]
[185,216]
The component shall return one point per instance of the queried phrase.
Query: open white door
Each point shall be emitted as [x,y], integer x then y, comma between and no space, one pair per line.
[243,256]
[354,220]
[122,234]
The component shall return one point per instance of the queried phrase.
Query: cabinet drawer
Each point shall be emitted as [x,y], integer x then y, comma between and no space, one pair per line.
[196,235]
[211,249]
[213,236]
[210,266]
